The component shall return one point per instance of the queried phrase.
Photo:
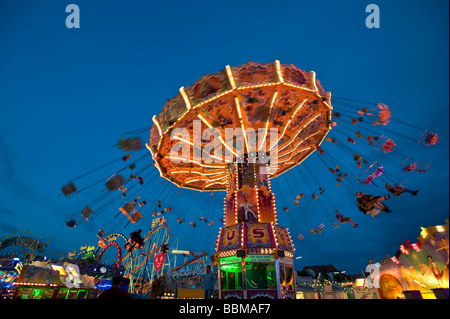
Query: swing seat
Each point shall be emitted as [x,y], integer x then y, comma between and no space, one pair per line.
[336,224]
[68,189]
[410,167]
[431,139]
[134,216]
[378,172]
[400,185]
[388,146]
[422,167]
[130,144]
[127,208]
[383,113]
[317,230]
[87,211]
[368,180]
[115,182]
[101,233]
[372,174]
[71,223]
[428,138]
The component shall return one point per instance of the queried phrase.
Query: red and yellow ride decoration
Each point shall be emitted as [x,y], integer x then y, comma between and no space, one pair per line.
[418,270]
[291,113]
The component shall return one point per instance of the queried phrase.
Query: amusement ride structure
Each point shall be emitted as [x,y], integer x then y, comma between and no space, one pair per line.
[291,113]
[234,131]
[157,257]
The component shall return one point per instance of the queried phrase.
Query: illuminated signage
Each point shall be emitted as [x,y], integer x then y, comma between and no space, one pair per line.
[230,260]
[286,260]
[260,258]
[182,252]
[30,243]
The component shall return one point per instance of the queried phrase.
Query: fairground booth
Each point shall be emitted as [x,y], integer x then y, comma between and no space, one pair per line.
[52,281]
[419,269]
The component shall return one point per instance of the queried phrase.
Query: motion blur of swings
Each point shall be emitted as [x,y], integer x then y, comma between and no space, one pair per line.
[367,123]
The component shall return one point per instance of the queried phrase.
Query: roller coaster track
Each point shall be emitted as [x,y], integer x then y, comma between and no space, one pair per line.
[110,237]
[200,255]
[146,255]
[119,252]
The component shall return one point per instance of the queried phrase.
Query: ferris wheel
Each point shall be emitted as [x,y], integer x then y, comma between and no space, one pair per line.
[137,263]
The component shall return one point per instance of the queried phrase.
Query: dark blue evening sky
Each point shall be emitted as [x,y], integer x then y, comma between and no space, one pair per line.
[67,96]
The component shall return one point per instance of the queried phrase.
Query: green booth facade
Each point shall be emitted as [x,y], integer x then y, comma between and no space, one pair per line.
[257,268]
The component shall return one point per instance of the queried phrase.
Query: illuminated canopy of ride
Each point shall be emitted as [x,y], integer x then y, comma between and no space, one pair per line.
[262,97]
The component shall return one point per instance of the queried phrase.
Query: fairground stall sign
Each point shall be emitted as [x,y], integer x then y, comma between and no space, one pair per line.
[30,243]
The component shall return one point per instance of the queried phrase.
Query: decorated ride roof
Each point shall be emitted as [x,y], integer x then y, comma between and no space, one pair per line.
[265,97]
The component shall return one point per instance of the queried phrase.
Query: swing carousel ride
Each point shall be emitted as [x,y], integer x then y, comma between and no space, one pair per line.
[234,131]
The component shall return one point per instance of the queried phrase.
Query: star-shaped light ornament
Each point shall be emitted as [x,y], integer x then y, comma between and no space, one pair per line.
[265,190]
[246,189]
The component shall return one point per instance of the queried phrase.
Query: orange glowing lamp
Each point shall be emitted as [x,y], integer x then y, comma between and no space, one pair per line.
[60,269]
[360,283]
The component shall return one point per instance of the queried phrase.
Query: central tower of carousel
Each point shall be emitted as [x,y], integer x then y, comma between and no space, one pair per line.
[233,131]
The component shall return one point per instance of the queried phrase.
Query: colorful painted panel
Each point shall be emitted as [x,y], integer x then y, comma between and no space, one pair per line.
[253,73]
[154,137]
[247,209]
[283,239]
[253,294]
[287,294]
[174,108]
[230,209]
[236,294]
[231,237]
[267,211]
[220,113]
[294,75]
[207,86]
[259,236]
[417,266]
[256,104]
